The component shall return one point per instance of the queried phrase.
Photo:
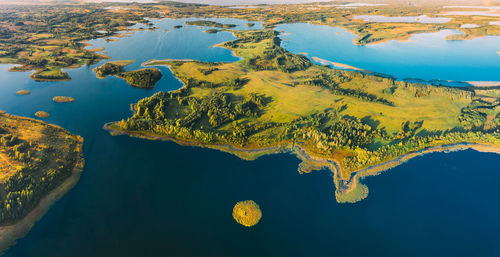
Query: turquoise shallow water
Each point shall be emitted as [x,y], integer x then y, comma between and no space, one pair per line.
[149,198]
[428,56]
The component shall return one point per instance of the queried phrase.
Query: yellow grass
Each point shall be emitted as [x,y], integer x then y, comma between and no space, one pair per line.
[291,102]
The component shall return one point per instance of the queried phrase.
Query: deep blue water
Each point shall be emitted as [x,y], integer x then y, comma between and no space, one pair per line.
[149,198]
[428,56]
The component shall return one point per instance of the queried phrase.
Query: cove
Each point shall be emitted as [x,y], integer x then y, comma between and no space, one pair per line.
[426,56]
[150,198]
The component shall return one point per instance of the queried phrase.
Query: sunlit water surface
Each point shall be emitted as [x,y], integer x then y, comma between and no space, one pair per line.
[425,56]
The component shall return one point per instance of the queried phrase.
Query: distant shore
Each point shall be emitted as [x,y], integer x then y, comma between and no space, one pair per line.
[484,83]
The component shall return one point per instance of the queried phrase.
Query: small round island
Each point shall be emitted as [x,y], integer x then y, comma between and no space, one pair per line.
[247,213]
[42,114]
[23,92]
[63,99]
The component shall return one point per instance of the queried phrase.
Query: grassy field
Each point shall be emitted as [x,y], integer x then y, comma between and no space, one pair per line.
[272,100]
[292,100]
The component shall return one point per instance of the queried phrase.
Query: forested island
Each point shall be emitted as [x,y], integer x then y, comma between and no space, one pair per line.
[142,78]
[274,101]
[210,24]
[39,162]
[111,68]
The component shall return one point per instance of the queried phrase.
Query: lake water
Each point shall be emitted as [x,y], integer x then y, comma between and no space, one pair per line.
[427,56]
[149,198]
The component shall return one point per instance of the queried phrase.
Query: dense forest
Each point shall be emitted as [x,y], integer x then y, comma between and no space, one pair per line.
[214,24]
[143,78]
[109,69]
[32,167]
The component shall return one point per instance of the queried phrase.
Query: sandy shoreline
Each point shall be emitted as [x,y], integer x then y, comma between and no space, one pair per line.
[338,65]
[10,234]
[484,83]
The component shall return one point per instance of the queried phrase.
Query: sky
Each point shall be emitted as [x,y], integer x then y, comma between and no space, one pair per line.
[250,2]
[229,2]
[236,2]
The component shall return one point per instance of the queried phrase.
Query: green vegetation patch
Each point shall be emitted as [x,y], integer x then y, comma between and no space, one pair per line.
[111,68]
[35,158]
[143,78]
[42,114]
[50,75]
[210,24]
[63,99]
[211,31]
[247,213]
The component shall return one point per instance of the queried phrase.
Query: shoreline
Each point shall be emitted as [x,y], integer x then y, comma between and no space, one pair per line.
[338,65]
[349,190]
[245,154]
[34,74]
[377,169]
[484,84]
[11,233]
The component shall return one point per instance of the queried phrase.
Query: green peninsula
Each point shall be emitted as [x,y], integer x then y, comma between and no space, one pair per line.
[39,163]
[350,122]
[111,68]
